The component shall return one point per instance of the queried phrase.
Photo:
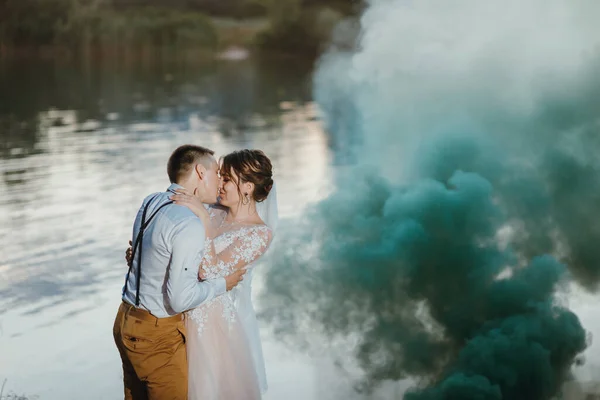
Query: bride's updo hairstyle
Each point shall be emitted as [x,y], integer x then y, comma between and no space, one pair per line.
[250,166]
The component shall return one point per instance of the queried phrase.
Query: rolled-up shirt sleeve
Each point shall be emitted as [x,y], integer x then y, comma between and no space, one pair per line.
[184,290]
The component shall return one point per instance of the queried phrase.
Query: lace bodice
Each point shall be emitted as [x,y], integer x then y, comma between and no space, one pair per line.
[237,247]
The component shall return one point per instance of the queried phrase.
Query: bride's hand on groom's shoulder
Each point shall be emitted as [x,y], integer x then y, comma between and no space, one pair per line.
[192,201]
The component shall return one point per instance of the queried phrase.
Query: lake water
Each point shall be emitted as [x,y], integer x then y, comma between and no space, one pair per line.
[81,144]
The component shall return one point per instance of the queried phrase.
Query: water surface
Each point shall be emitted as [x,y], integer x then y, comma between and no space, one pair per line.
[81,144]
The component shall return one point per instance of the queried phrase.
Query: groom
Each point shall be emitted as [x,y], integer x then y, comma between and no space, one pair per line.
[162,282]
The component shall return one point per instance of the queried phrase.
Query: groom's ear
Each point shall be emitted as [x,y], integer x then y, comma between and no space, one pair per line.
[200,171]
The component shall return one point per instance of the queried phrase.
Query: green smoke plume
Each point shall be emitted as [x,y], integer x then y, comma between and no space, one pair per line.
[470,205]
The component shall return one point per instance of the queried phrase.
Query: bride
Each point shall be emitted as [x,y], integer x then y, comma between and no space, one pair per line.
[225,358]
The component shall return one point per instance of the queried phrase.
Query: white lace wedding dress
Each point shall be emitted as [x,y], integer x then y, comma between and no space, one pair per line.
[224,351]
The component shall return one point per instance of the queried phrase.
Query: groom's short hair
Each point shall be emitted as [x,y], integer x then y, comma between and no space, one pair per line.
[184,158]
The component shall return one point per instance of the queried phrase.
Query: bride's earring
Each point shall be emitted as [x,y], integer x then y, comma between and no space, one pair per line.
[246,199]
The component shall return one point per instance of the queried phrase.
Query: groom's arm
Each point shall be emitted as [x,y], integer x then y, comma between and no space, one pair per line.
[183,288]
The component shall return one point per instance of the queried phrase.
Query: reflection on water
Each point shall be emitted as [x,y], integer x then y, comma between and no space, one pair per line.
[80,148]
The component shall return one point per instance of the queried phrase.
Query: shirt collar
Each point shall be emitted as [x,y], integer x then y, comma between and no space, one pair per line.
[174,187]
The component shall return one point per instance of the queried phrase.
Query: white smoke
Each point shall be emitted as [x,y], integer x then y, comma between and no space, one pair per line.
[429,67]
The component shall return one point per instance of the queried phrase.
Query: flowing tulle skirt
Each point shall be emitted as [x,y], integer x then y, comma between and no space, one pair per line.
[220,363]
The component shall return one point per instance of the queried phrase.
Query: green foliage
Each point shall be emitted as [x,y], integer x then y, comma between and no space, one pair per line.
[152,26]
[294,37]
[31,22]
[215,8]
[297,29]
[294,26]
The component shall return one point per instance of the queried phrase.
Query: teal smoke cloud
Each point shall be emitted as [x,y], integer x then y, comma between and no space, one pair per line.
[474,140]
[376,257]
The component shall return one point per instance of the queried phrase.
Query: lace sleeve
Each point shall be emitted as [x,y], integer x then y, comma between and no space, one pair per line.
[247,246]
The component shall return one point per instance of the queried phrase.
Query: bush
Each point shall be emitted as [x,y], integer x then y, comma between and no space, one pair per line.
[292,38]
[306,34]
[71,23]
[26,22]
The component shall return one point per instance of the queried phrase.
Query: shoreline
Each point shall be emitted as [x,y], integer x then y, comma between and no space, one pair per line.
[231,33]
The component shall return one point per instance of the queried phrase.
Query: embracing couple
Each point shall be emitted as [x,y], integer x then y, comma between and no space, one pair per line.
[186,327]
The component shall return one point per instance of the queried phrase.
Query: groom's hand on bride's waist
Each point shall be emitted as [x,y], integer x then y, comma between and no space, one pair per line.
[235,278]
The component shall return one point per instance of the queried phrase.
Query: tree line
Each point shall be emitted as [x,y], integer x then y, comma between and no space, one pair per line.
[291,25]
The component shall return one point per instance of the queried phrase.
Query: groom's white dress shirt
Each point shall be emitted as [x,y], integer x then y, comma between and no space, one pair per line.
[173,246]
